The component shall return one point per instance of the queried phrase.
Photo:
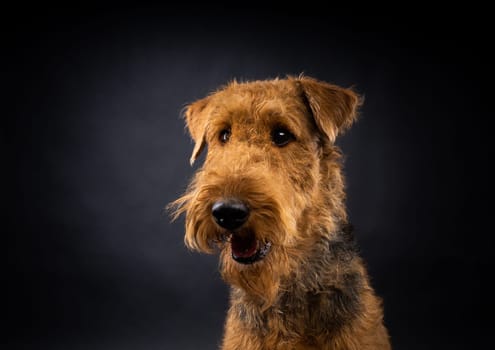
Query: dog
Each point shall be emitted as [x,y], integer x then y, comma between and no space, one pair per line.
[270,199]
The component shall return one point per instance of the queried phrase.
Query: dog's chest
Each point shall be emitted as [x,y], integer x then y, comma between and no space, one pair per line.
[299,314]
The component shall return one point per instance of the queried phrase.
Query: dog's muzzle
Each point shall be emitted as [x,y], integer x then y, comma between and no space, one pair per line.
[231,214]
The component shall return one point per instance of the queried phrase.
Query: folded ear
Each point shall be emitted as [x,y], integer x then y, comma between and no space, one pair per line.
[196,120]
[334,108]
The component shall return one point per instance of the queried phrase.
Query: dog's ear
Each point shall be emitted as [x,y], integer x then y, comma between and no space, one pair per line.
[334,108]
[196,120]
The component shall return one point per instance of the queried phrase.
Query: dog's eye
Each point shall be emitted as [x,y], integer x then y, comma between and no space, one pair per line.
[224,135]
[281,137]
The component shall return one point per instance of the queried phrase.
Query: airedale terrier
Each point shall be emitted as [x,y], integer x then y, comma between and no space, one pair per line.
[270,198]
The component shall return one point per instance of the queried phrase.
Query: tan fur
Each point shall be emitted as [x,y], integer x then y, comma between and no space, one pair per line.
[311,291]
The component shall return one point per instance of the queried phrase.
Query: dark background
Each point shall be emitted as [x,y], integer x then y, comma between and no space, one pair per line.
[94,149]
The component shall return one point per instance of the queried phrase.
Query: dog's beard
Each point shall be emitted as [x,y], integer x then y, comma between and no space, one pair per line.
[260,280]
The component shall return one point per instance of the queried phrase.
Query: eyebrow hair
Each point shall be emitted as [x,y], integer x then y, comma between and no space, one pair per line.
[295,122]
[216,124]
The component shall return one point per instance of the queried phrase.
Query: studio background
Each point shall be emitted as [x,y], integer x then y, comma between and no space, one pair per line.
[95,149]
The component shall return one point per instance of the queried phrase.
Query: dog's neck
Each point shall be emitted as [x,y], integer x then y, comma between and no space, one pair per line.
[323,308]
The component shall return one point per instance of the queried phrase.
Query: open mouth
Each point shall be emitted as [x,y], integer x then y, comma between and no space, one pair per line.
[246,249]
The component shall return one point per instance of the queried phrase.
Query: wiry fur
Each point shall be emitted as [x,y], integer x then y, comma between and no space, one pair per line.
[311,291]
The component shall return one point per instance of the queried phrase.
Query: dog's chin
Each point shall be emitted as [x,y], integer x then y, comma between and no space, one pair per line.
[246,249]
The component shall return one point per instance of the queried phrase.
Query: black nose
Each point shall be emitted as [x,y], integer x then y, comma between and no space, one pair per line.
[230,213]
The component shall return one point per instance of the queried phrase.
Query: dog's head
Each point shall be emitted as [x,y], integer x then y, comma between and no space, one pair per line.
[271,185]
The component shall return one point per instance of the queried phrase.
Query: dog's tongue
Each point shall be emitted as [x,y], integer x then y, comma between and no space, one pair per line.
[243,246]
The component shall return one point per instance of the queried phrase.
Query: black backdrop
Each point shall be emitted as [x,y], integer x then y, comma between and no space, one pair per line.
[95,149]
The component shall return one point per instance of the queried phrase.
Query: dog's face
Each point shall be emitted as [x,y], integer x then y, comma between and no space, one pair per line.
[269,169]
